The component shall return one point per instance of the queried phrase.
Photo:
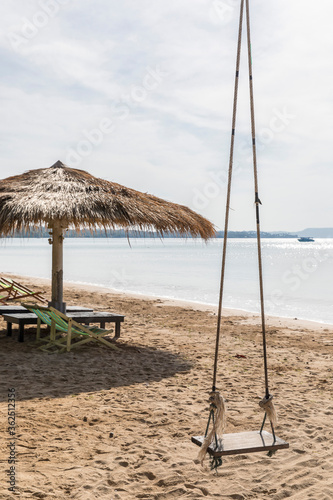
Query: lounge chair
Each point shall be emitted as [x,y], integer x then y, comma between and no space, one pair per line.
[11,291]
[60,324]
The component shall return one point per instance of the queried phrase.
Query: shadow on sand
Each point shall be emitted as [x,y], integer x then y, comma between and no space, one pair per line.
[36,374]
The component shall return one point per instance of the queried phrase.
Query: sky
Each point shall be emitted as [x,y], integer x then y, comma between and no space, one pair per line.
[140,92]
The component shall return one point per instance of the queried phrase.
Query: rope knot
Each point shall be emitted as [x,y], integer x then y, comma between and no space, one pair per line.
[267,405]
[218,411]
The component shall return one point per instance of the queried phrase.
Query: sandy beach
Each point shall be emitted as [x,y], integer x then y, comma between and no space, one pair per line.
[102,424]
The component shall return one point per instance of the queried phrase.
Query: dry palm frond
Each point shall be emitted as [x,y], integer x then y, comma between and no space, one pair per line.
[76,198]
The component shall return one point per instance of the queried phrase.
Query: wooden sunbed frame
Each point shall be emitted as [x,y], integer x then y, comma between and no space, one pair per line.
[61,324]
[11,291]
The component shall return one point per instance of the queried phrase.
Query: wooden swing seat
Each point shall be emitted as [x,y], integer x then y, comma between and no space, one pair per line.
[243,442]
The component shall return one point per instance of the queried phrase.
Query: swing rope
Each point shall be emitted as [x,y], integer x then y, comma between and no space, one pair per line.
[227,209]
[257,200]
[217,405]
[266,403]
[215,441]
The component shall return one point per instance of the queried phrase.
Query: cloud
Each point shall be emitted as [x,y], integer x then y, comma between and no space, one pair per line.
[90,62]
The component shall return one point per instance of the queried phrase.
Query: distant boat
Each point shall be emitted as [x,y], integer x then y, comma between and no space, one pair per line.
[305,238]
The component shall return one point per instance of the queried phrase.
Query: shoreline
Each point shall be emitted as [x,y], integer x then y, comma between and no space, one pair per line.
[248,316]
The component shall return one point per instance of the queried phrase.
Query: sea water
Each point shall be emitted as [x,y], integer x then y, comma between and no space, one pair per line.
[298,277]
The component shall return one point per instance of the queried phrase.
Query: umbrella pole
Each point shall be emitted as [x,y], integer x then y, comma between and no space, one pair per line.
[56,241]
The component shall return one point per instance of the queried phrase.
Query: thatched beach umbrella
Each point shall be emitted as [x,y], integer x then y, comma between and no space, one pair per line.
[62,197]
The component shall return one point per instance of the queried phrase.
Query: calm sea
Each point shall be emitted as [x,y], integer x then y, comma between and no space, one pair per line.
[298,277]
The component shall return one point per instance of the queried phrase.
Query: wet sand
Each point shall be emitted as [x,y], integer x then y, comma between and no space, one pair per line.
[99,423]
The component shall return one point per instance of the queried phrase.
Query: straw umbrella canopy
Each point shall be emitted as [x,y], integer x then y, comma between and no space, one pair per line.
[62,197]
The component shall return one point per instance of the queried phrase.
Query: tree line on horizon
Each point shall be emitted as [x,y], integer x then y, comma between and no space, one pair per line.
[120,233]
